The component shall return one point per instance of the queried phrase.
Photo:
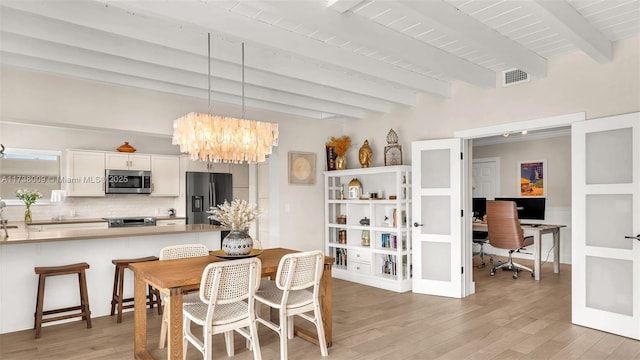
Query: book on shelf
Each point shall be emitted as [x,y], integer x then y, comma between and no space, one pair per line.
[341,257]
[390,241]
[331,157]
[389,264]
[386,240]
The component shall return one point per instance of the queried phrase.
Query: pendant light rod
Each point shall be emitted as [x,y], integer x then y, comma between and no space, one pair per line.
[243,80]
[209,69]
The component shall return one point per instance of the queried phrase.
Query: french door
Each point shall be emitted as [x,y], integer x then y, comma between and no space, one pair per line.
[606,224]
[437,218]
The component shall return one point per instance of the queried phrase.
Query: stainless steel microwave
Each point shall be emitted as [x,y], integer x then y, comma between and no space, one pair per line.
[127,182]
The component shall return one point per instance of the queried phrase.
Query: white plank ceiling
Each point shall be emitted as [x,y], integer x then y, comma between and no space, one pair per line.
[313,58]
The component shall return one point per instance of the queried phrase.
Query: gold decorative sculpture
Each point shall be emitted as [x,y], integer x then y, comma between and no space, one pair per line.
[355,189]
[365,154]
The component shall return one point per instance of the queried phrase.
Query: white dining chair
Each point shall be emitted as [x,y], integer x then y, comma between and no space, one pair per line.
[295,291]
[179,252]
[227,304]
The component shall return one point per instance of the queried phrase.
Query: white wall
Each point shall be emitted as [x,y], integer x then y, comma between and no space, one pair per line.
[555,151]
[574,83]
[300,208]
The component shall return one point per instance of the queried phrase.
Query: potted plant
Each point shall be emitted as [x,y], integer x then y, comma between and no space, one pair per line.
[29,196]
[238,216]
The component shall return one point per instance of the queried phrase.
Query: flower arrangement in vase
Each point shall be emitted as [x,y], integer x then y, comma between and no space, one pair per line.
[340,146]
[238,216]
[29,196]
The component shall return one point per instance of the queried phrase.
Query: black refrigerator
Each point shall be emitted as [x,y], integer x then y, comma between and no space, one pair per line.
[206,190]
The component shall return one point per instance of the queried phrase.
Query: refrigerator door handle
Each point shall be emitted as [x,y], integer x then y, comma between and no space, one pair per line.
[212,194]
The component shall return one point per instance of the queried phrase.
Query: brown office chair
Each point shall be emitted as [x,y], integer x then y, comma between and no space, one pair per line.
[505,232]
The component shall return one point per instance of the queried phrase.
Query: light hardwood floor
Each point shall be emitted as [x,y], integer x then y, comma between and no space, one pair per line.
[505,319]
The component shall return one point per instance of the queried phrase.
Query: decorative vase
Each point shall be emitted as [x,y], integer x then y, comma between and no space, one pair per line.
[237,243]
[341,162]
[27,214]
[126,148]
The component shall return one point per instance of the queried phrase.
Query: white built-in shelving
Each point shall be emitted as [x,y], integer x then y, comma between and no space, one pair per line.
[384,262]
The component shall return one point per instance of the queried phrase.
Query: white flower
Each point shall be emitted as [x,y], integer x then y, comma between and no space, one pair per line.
[238,215]
[29,196]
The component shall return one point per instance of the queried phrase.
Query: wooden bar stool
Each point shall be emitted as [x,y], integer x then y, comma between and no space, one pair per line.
[117,301]
[85,313]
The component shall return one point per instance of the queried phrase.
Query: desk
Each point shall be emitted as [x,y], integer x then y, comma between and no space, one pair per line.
[173,277]
[538,231]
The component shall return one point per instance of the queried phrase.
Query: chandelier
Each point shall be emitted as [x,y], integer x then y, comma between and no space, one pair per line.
[214,138]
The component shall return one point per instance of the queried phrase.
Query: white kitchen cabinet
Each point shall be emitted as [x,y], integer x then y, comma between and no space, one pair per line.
[370,237]
[240,173]
[204,166]
[125,161]
[240,176]
[165,175]
[83,173]
[171,222]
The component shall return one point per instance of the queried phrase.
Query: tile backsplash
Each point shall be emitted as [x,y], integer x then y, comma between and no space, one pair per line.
[109,206]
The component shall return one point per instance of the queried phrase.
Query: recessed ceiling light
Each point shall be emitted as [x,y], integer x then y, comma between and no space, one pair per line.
[505,134]
[525,132]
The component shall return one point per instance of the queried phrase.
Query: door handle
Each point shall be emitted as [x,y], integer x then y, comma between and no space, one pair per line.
[415,224]
[637,237]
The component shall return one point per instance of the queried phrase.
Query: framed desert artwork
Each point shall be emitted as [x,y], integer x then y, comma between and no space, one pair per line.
[533,178]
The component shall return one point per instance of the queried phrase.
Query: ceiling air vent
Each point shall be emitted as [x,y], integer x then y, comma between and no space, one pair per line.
[513,77]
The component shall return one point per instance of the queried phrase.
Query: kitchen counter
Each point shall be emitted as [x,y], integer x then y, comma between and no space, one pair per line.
[98,247]
[22,236]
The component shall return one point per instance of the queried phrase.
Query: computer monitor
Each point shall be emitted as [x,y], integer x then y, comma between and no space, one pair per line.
[529,208]
[479,207]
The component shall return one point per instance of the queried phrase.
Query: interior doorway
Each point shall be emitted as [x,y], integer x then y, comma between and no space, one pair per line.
[474,137]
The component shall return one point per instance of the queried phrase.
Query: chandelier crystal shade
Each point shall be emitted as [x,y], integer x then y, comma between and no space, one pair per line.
[222,139]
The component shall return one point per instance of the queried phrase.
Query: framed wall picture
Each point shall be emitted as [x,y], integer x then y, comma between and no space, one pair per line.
[533,178]
[302,168]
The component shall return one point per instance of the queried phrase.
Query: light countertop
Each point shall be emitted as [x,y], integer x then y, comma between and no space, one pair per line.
[73,220]
[21,236]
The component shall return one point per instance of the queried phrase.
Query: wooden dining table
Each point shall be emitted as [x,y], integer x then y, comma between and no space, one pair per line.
[175,277]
